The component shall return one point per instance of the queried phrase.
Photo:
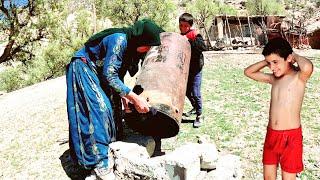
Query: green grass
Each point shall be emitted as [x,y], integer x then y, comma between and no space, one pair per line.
[236,115]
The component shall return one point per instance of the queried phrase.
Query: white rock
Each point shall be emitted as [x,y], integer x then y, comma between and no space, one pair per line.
[132,161]
[228,168]
[145,141]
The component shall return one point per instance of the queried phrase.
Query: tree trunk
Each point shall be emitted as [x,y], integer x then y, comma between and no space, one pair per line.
[6,53]
[94,18]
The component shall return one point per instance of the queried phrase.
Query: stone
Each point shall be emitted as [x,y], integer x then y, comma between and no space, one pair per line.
[208,156]
[145,141]
[132,161]
[183,163]
[228,167]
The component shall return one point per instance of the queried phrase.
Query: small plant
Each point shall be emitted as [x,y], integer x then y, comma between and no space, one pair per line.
[11,79]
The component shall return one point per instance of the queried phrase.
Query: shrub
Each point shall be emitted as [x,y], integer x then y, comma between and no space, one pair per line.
[11,79]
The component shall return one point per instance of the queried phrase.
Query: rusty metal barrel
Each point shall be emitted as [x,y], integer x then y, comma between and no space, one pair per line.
[163,82]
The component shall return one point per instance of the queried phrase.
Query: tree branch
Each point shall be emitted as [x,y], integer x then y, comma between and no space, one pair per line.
[138,8]
[19,47]
[6,56]
[31,8]
[10,50]
[3,9]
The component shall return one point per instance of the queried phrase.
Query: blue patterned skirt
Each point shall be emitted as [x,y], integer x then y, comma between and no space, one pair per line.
[91,123]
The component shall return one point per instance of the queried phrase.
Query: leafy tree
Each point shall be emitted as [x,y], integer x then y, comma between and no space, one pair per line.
[126,12]
[265,7]
[9,80]
[43,34]
[25,24]
[226,9]
[44,56]
[204,10]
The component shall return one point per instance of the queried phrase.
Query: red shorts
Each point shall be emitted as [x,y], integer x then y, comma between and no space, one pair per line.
[284,147]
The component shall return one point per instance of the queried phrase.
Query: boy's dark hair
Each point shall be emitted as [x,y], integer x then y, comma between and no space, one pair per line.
[186,17]
[278,46]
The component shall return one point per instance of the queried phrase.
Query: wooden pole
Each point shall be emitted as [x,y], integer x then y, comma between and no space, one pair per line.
[207,34]
[240,29]
[225,30]
[207,38]
[220,27]
[250,31]
[229,29]
[265,29]
[94,17]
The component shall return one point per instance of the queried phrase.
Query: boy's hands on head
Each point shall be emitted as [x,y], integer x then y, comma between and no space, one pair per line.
[305,66]
[294,57]
[254,72]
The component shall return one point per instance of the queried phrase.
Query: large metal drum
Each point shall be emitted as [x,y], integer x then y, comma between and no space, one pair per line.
[163,81]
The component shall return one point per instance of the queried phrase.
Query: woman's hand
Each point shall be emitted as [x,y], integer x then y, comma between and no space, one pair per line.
[139,102]
[125,102]
[141,105]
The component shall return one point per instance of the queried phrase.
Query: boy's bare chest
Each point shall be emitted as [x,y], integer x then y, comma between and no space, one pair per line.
[284,86]
[287,88]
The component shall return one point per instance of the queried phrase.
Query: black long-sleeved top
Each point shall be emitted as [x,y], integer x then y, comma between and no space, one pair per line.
[197,60]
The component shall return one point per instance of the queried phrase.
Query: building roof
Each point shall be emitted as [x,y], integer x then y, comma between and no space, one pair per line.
[245,17]
[313,27]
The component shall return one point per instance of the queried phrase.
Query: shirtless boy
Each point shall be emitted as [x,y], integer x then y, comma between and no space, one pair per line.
[283,143]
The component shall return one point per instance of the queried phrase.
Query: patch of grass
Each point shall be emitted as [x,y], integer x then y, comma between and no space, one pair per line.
[307,174]
[236,115]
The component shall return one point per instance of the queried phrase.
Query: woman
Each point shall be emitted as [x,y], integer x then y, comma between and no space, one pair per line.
[95,85]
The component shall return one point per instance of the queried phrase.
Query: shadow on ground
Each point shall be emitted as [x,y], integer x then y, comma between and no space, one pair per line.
[72,170]
[187,120]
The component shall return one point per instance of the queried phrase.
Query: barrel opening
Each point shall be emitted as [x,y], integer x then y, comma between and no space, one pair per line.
[153,123]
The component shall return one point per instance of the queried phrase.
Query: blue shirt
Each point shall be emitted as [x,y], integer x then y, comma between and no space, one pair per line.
[108,55]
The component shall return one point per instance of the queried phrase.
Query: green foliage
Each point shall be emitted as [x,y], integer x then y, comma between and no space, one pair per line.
[264,7]
[204,10]
[25,26]
[294,4]
[51,62]
[160,11]
[50,55]
[47,64]
[48,36]
[84,22]
[227,9]
[11,79]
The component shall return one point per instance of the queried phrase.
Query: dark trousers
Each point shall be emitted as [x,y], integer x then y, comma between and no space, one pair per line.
[194,91]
